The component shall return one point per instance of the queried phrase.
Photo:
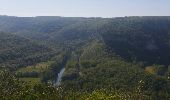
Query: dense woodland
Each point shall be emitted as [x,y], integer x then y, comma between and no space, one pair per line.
[124,58]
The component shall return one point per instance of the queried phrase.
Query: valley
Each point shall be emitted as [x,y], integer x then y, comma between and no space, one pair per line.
[81,58]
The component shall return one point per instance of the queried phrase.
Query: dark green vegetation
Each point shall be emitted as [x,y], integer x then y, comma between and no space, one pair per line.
[116,58]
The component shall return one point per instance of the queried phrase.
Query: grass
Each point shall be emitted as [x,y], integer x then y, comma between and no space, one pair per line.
[150,69]
[31,81]
[40,67]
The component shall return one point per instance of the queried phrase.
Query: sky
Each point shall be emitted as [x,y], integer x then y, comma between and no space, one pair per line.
[85,8]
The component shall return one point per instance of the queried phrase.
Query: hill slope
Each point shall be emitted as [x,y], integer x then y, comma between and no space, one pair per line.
[129,54]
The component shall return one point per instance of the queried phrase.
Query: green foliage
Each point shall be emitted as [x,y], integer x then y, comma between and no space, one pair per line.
[106,58]
[139,38]
[87,64]
[9,85]
[27,74]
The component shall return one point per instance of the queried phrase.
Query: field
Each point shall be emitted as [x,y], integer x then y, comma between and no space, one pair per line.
[26,72]
[31,81]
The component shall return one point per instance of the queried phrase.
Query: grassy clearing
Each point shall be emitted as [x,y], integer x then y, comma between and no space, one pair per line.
[31,81]
[40,67]
[151,69]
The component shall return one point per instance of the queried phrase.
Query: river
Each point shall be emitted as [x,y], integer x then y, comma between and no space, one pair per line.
[59,78]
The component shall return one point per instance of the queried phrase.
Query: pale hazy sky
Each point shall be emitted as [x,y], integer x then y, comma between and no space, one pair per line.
[85,8]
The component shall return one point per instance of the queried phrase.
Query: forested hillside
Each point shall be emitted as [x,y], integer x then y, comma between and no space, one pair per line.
[102,58]
[16,51]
